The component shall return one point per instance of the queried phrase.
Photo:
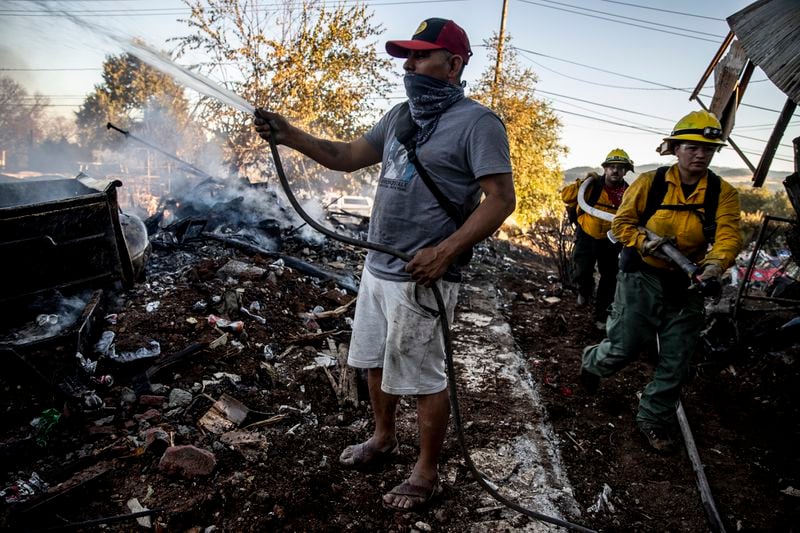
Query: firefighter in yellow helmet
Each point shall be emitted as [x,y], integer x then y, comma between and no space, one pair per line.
[592,246]
[693,208]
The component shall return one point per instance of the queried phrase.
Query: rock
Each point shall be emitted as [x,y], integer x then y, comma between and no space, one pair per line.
[187,461]
[151,400]
[151,415]
[127,396]
[422,526]
[179,398]
[156,440]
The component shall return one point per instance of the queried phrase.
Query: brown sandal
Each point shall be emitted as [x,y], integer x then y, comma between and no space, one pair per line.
[416,494]
[360,456]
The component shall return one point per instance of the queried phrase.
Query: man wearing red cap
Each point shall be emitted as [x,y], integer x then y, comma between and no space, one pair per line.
[463,148]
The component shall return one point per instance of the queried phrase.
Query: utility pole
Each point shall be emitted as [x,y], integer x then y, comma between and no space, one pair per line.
[500,40]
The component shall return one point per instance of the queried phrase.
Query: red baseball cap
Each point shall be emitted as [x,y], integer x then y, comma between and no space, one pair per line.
[434,34]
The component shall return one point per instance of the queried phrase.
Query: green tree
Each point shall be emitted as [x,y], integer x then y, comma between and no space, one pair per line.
[317,65]
[21,119]
[533,134]
[136,97]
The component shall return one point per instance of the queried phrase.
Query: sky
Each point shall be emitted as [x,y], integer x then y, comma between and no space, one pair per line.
[603,65]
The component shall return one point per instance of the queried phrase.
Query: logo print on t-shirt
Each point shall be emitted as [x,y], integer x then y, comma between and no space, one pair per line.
[398,170]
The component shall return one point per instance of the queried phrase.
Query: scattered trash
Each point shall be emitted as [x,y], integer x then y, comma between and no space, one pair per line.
[22,490]
[603,502]
[552,299]
[259,319]
[87,365]
[105,345]
[199,305]
[152,306]
[226,325]
[111,319]
[136,507]
[226,414]
[791,491]
[43,423]
[153,349]
[47,320]
[323,361]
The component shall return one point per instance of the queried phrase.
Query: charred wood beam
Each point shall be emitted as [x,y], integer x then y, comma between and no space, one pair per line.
[345,282]
[717,57]
[714,519]
[774,140]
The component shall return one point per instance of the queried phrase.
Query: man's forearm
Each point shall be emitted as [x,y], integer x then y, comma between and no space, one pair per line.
[334,155]
[484,221]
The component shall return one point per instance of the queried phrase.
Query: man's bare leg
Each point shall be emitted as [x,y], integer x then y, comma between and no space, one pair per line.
[384,438]
[433,413]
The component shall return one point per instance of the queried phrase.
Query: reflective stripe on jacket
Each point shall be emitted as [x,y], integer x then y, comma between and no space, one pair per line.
[593,226]
[685,226]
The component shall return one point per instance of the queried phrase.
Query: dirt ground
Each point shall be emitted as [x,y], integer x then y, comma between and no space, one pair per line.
[278,471]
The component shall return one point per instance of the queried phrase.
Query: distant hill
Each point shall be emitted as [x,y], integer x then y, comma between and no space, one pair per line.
[739,177]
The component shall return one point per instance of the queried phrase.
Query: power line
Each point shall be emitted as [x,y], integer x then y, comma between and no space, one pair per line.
[648,130]
[643,80]
[605,105]
[161,11]
[686,35]
[596,83]
[662,10]
[618,16]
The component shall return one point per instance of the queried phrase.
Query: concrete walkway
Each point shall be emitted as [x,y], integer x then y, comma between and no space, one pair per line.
[527,467]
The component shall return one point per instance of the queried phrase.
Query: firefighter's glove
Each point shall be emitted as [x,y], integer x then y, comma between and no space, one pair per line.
[711,272]
[652,246]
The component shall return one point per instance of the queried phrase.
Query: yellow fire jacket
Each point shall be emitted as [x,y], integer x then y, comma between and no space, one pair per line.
[685,226]
[593,226]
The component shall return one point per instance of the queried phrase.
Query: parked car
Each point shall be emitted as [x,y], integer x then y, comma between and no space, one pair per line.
[354,205]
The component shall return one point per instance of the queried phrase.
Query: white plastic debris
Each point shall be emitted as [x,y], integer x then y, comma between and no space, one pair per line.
[603,502]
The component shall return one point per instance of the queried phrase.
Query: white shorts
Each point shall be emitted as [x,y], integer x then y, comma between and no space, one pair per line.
[397,328]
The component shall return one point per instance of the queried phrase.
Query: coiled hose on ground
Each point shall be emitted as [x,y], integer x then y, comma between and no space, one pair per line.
[447,343]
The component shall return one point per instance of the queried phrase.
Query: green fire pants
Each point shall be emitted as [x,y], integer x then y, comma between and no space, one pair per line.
[646,305]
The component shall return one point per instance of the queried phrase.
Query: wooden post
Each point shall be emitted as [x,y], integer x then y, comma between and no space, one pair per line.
[774,140]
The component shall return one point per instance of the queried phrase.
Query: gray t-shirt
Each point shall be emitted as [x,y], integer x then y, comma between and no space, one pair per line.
[470,142]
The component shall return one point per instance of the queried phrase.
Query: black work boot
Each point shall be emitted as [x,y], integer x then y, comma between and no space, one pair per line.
[590,382]
[659,439]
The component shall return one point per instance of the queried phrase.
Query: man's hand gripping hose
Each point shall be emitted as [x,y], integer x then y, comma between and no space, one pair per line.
[703,281]
[479,477]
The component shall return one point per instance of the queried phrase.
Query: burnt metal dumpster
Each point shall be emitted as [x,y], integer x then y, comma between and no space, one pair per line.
[60,235]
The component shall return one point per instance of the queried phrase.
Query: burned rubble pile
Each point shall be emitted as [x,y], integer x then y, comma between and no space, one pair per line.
[119,401]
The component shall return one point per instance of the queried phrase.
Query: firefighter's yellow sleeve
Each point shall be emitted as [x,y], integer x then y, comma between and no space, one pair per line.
[728,242]
[626,221]
[569,194]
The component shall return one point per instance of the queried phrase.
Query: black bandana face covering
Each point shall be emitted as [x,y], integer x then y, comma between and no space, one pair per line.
[428,98]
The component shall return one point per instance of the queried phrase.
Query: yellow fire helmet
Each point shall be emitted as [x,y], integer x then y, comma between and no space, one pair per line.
[618,156]
[697,126]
